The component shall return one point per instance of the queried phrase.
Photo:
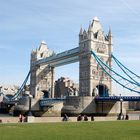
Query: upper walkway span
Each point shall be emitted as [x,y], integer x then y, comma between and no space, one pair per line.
[60,59]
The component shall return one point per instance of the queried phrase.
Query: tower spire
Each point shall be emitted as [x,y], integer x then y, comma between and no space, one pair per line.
[110,36]
[89,28]
[81,31]
[110,32]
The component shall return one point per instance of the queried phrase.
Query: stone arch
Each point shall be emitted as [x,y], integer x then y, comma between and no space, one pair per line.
[103,90]
[46,93]
[10,96]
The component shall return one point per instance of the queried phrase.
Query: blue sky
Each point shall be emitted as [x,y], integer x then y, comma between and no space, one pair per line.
[25,23]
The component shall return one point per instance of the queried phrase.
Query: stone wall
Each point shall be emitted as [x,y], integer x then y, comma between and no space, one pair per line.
[87,105]
[111,108]
[77,105]
[59,119]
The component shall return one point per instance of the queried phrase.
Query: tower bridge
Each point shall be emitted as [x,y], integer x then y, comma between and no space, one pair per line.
[43,63]
[96,74]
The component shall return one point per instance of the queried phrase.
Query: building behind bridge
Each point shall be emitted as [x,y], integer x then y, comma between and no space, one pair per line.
[65,87]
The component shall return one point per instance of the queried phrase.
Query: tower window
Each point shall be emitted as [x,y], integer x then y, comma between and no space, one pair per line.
[41,55]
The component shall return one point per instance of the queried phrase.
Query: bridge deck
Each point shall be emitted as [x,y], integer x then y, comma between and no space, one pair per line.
[117,98]
[51,101]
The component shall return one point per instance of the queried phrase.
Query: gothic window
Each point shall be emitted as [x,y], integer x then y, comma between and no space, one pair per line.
[41,55]
[98,67]
[101,48]
[105,76]
[100,36]
[96,75]
[84,47]
[93,72]
[100,73]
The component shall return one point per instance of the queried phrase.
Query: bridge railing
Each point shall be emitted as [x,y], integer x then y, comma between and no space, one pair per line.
[68,53]
[50,101]
[117,98]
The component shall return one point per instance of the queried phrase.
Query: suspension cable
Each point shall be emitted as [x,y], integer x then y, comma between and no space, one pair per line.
[114,71]
[125,71]
[124,66]
[111,76]
[19,90]
[22,86]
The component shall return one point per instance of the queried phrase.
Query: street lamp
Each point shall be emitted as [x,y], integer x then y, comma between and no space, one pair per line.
[121,114]
[0,89]
[30,105]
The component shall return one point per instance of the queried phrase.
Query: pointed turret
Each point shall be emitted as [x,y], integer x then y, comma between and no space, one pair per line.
[110,40]
[96,26]
[110,32]
[43,47]
[90,32]
[84,32]
[81,31]
[110,36]
[81,34]
[43,42]
[90,28]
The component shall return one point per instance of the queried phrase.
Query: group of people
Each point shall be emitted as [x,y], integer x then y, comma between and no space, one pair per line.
[122,117]
[79,118]
[65,118]
[22,118]
[84,118]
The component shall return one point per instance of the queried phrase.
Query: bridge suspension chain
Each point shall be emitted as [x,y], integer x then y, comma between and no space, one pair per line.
[17,94]
[22,87]
[124,67]
[116,72]
[99,61]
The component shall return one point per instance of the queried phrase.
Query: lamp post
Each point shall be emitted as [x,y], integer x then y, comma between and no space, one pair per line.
[30,105]
[0,88]
[121,114]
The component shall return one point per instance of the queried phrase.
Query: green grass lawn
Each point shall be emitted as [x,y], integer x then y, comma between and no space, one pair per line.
[111,130]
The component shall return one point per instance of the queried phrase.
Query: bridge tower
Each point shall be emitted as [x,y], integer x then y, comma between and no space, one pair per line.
[92,78]
[42,76]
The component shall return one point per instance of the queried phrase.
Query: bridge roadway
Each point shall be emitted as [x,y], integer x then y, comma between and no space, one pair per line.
[60,59]
[50,101]
[117,98]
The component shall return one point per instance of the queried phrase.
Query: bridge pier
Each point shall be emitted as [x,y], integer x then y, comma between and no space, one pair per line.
[88,105]
[79,105]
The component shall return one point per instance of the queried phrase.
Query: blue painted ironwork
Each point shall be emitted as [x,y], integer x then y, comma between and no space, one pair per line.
[22,87]
[117,98]
[17,94]
[50,101]
[114,71]
[122,68]
[125,66]
[65,57]
[99,61]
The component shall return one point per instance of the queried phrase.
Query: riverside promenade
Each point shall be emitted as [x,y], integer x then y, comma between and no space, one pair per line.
[7,119]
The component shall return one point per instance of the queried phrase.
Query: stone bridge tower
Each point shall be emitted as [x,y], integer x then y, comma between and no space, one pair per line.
[92,78]
[42,77]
